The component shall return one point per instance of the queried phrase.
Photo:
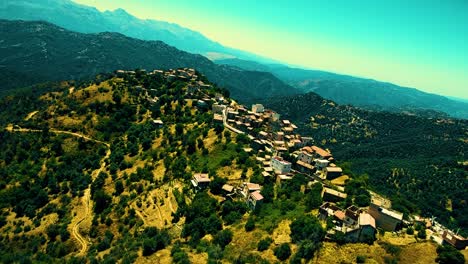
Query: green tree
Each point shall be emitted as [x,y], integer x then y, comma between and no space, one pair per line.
[223,238]
[283,251]
[449,255]
[264,244]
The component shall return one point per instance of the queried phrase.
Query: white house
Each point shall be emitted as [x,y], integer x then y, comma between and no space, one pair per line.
[258,108]
[280,165]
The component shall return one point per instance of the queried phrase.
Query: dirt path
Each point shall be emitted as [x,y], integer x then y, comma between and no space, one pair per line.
[76,226]
[25,130]
[86,199]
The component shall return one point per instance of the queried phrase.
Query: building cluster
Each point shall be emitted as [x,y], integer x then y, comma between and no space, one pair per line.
[360,224]
[271,138]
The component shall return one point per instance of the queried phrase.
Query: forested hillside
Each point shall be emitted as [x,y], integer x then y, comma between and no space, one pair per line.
[35,52]
[419,162]
[86,175]
[360,92]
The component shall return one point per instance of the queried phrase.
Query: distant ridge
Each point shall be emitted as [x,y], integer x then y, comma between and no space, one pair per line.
[39,51]
[366,93]
[86,19]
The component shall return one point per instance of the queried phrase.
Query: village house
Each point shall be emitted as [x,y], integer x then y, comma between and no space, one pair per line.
[305,167]
[255,199]
[321,164]
[232,114]
[157,123]
[364,231]
[217,108]
[258,108]
[217,118]
[228,189]
[352,215]
[200,180]
[455,240]
[306,157]
[388,220]
[333,172]
[327,209]
[321,153]
[249,188]
[331,195]
[283,177]
[280,165]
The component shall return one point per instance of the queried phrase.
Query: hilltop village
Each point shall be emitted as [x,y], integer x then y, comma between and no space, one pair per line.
[282,154]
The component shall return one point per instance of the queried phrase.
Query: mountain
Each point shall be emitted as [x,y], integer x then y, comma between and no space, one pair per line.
[87,176]
[420,163]
[355,91]
[39,51]
[86,19]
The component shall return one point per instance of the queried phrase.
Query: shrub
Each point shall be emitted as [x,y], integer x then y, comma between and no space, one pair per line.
[264,244]
[250,225]
[360,259]
[223,238]
[449,255]
[283,251]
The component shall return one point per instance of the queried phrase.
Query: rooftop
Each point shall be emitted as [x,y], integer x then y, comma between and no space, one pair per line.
[392,213]
[366,219]
[334,169]
[334,192]
[306,165]
[281,160]
[253,186]
[321,151]
[202,177]
[228,188]
[257,196]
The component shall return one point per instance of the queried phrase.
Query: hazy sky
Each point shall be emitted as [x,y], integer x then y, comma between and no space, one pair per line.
[421,44]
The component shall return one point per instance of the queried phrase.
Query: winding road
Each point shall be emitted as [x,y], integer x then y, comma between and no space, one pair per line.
[86,199]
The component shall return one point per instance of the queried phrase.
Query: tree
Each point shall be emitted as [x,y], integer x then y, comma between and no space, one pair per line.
[223,238]
[449,255]
[250,225]
[362,200]
[306,228]
[314,197]
[101,201]
[283,251]
[422,233]
[119,187]
[216,184]
[264,244]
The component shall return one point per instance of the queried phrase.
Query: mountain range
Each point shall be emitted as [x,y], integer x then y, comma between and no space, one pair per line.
[39,51]
[365,93]
[264,77]
[86,19]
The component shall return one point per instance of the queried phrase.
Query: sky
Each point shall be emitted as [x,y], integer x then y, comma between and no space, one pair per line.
[421,44]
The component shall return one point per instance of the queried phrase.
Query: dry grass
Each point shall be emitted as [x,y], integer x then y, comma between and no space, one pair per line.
[402,239]
[465,253]
[419,253]
[231,173]
[157,206]
[162,256]
[340,181]
[210,140]
[282,233]
[332,253]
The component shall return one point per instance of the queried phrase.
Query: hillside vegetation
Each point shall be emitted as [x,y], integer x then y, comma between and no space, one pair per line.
[35,52]
[360,92]
[419,162]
